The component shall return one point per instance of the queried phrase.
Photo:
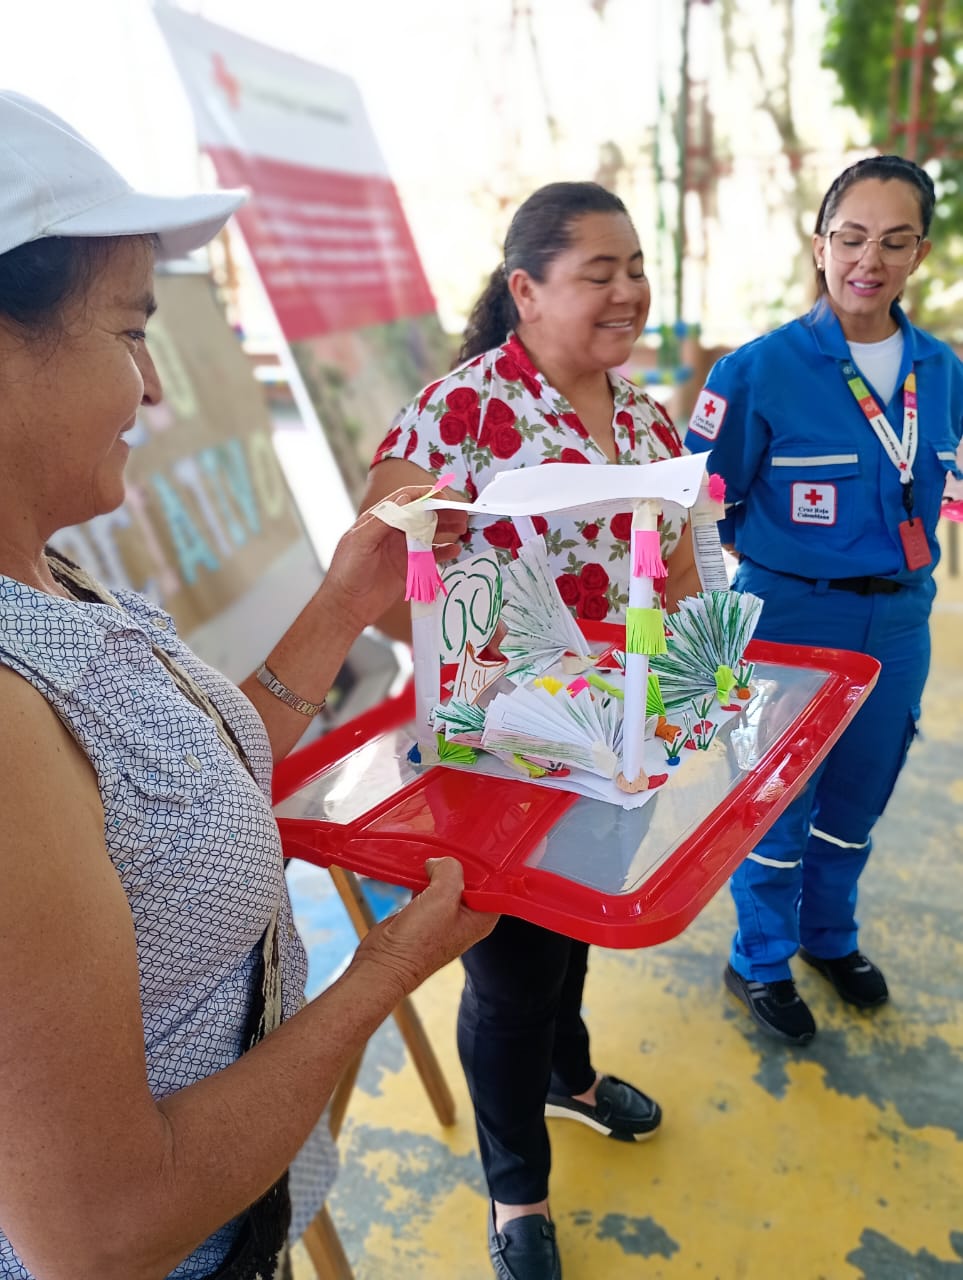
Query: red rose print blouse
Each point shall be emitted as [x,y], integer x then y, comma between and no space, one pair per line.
[496,413]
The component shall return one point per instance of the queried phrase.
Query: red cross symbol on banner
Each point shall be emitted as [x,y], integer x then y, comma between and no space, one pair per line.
[710,408]
[224,80]
[813,497]
[903,466]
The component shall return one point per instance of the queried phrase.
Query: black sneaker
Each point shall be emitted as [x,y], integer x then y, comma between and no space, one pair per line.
[621,1111]
[777,1007]
[525,1249]
[855,978]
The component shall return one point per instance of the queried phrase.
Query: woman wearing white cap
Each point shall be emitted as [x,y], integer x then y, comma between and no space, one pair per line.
[150,1102]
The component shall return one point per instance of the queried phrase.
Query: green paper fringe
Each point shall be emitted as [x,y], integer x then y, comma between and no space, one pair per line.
[644,631]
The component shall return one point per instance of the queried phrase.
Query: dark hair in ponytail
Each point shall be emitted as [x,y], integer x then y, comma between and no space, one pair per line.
[540,230]
[886,169]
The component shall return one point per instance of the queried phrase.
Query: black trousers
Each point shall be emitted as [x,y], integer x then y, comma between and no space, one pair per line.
[520,1036]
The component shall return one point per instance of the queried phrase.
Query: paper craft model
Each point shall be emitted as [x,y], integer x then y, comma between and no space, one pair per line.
[552,707]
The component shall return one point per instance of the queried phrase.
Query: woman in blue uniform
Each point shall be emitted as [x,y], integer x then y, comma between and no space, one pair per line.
[834,435]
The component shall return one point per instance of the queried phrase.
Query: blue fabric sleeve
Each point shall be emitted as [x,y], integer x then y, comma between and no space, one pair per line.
[727,423]
[958,399]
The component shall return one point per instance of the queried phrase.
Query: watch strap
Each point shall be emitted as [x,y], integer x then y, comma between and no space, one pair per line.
[273,685]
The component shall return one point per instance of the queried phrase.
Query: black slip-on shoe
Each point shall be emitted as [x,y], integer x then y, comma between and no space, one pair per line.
[621,1111]
[524,1249]
[777,1007]
[856,979]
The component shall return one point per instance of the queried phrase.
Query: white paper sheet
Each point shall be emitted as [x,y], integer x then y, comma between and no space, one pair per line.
[531,491]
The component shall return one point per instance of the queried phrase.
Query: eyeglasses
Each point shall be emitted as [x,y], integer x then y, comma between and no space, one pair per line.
[895,250]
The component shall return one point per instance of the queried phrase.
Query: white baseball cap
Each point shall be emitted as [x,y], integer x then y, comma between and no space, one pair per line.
[54,183]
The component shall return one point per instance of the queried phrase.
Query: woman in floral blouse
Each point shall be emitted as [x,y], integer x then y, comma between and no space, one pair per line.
[535,386]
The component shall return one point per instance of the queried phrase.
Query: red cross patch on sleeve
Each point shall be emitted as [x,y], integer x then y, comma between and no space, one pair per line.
[708,414]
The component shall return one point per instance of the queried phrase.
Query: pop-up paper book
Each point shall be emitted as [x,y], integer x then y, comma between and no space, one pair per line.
[547,706]
[747,722]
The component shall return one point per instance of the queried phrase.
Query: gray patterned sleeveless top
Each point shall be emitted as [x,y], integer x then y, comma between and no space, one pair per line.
[188,829]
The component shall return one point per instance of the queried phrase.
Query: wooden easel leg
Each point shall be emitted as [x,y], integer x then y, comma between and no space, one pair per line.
[324,1248]
[405,1015]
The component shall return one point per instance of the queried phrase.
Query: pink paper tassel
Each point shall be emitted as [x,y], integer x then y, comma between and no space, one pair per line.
[424,581]
[647,559]
[717,488]
[577,685]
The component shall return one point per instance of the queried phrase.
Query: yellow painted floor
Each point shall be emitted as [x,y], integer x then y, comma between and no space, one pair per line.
[839,1161]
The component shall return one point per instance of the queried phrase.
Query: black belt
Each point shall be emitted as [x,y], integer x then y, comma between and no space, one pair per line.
[865,586]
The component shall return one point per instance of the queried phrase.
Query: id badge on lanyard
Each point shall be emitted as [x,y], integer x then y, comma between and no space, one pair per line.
[902,454]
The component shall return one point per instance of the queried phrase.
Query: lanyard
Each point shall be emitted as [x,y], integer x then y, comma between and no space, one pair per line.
[901,452]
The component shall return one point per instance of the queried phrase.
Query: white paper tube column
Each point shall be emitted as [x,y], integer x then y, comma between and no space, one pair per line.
[636,686]
[426,644]
[645,517]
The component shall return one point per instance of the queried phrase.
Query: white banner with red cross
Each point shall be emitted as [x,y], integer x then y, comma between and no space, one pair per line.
[324,223]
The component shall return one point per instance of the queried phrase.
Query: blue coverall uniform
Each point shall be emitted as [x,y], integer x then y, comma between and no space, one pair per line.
[817,499]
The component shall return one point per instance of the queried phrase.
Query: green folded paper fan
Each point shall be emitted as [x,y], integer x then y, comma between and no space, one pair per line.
[456,716]
[709,632]
[455,752]
[654,702]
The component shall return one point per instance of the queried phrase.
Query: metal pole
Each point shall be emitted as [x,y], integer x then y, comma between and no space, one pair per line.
[916,81]
[682,138]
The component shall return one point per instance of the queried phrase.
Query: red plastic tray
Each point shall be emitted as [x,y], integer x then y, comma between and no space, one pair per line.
[493,825]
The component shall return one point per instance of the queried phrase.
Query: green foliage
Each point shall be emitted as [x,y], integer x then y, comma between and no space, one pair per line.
[862,37]
[859,49]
